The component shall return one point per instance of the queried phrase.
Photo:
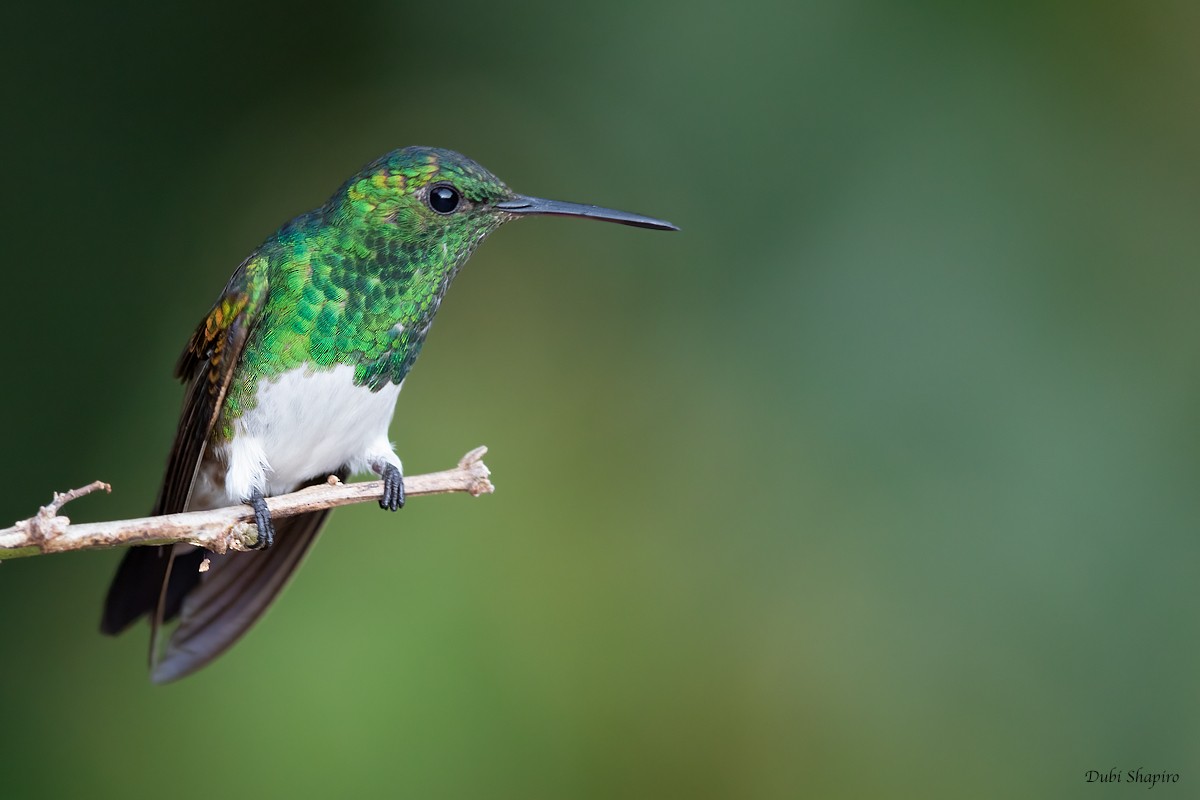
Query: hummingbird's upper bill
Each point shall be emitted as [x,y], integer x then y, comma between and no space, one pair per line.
[538,205]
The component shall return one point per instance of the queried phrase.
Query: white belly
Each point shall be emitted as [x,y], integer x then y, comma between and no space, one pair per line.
[306,424]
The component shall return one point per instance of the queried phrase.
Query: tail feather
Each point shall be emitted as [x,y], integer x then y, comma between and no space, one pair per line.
[231,596]
[215,608]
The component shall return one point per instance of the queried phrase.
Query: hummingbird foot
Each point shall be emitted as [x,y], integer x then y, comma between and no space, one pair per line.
[262,520]
[393,488]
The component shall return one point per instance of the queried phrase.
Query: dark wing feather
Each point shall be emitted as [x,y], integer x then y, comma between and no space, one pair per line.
[209,362]
[208,365]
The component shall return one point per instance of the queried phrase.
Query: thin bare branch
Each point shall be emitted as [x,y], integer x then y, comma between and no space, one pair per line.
[220,529]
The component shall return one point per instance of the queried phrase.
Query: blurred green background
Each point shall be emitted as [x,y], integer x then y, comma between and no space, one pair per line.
[878,480]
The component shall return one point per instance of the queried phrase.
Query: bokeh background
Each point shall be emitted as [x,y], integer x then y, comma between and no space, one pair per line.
[878,480]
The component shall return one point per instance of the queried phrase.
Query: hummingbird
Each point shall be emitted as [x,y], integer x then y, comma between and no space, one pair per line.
[293,376]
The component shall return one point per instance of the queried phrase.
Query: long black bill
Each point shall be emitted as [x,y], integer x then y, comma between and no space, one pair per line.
[536,205]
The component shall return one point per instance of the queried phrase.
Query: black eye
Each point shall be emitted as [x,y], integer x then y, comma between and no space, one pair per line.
[443,199]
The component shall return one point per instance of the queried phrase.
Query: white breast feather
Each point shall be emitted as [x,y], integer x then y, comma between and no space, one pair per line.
[307,424]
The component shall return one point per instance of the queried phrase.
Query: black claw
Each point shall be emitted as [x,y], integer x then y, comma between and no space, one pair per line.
[262,519]
[393,488]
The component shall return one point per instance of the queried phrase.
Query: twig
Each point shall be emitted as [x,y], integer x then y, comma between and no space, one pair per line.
[219,529]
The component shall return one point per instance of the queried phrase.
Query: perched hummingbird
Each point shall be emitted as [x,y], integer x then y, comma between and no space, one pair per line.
[293,376]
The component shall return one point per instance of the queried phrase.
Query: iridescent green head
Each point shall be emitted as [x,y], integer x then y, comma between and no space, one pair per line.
[428,192]
[423,191]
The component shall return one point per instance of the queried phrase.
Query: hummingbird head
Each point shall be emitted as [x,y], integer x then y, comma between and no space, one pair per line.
[414,217]
[440,197]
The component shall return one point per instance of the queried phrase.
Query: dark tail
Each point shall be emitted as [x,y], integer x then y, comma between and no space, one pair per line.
[215,608]
[135,588]
[230,597]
